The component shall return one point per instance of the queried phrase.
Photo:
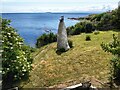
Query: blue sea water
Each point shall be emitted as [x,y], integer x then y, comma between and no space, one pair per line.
[31,25]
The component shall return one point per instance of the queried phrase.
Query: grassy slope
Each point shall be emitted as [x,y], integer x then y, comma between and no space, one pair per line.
[86,60]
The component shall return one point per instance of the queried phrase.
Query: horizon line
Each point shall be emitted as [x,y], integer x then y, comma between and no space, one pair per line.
[59,12]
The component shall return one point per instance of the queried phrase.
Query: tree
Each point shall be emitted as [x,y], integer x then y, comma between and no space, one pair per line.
[118,18]
[16,61]
[114,48]
[88,27]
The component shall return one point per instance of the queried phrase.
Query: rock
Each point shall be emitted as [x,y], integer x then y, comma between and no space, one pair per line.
[81,86]
[62,41]
[119,4]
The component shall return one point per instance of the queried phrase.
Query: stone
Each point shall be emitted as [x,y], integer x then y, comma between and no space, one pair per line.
[119,4]
[62,41]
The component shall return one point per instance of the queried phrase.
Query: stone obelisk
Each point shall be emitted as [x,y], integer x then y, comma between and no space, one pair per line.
[119,4]
[62,41]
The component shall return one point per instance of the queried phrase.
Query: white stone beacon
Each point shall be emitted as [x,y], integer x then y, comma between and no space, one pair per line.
[119,4]
[62,41]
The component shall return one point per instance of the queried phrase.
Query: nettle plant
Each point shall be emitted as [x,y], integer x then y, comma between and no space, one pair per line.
[16,61]
[114,48]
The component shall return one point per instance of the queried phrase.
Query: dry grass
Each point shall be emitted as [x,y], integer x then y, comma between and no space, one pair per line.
[86,60]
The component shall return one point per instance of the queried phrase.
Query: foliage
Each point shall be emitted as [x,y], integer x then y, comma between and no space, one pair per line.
[97,17]
[46,39]
[16,56]
[105,21]
[88,38]
[61,50]
[118,18]
[114,48]
[70,43]
[76,31]
[81,27]
[69,30]
[88,27]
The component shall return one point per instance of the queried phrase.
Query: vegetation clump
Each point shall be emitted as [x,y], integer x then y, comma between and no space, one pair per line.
[81,27]
[104,21]
[88,38]
[70,43]
[17,61]
[114,48]
[46,39]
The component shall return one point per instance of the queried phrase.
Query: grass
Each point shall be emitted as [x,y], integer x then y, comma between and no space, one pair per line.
[85,61]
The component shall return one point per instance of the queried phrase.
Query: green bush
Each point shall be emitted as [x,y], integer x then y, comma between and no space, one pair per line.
[97,17]
[16,61]
[88,27]
[114,48]
[88,38]
[46,39]
[61,50]
[84,26]
[115,70]
[70,43]
[69,30]
[76,31]
[118,18]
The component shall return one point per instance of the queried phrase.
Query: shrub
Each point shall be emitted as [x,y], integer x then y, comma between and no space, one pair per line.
[88,27]
[115,70]
[46,39]
[118,18]
[61,50]
[76,31]
[16,61]
[70,43]
[88,38]
[84,26]
[69,30]
[114,48]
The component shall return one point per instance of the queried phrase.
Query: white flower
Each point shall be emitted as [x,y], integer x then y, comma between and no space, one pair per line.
[16,67]
[11,47]
[17,57]
[23,67]
[20,43]
[10,43]
[16,38]
[8,33]
[3,72]
[15,76]
[25,58]
[7,68]
[24,70]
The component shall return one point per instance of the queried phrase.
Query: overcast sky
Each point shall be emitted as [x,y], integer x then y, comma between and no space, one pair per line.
[58,5]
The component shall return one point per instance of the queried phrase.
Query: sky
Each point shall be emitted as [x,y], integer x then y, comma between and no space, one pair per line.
[14,6]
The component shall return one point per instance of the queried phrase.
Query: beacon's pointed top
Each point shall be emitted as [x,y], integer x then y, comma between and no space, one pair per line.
[62,19]
[119,4]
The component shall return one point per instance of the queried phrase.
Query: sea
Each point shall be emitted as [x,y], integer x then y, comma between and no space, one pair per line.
[30,26]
